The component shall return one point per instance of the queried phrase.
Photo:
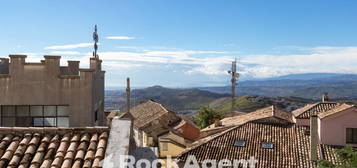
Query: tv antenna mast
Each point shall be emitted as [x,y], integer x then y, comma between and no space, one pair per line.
[128,94]
[234,79]
[95,38]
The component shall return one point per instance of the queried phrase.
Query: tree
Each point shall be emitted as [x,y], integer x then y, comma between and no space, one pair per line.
[346,156]
[206,116]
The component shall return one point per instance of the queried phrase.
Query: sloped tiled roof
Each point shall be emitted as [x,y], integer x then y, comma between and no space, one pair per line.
[167,137]
[146,112]
[305,112]
[52,147]
[291,146]
[267,112]
[335,110]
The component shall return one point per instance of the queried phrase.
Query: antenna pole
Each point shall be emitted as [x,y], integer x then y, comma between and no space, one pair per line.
[234,78]
[95,39]
[128,94]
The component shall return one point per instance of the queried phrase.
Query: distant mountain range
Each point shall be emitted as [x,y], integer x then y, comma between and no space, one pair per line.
[309,86]
[175,99]
[288,92]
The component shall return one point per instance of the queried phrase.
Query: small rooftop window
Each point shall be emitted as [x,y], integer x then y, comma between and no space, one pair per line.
[267,145]
[239,143]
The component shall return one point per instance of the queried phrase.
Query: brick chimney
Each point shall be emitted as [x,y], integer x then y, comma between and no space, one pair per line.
[314,137]
[325,97]
[217,122]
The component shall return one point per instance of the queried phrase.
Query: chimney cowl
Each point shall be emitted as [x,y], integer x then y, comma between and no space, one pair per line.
[217,122]
[325,97]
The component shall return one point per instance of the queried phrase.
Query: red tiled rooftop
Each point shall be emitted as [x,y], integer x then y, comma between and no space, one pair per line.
[270,113]
[336,109]
[52,147]
[305,112]
[147,112]
[291,146]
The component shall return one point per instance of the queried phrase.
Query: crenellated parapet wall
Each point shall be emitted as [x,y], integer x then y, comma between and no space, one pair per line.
[51,64]
[4,66]
[48,83]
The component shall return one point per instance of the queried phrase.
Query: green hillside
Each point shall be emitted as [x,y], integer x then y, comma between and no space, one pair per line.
[179,100]
[248,103]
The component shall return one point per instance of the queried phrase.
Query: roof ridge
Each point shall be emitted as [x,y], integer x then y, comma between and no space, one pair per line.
[338,108]
[313,105]
[52,129]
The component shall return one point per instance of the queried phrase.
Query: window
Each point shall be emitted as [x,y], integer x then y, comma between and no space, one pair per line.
[37,121]
[38,116]
[49,122]
[62,122]
[239,143]
[62,110]
[50,110]
[351,135]
[96,116]
[36,110]
[8,111]
[267,145]
[164,146]
[8,116]
[23,110]
[8,121]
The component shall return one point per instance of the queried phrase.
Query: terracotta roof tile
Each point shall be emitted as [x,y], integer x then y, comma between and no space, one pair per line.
[306,111]
[52,147]
[290,150]
[268,114]
[336,109]
[147,112]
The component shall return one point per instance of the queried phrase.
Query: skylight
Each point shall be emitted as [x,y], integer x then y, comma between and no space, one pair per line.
[267,145]
[239,143]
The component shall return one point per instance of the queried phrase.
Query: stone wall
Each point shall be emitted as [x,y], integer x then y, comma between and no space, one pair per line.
[46,83]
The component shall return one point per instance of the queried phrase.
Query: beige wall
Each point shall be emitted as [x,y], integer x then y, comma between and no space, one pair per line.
[175,145]
[172,149]
[47,83]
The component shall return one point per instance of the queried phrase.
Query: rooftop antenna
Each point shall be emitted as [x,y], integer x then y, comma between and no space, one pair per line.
[95,38]
[234,78]
[128,94]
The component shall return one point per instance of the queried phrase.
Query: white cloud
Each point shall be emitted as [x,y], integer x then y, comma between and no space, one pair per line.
[119,37]
[323,59]
[129,47]
[65,52]
[112,65]
[213,65]
[210,66]
[70,46]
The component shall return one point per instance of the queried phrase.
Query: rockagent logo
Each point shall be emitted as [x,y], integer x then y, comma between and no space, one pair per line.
[191,162]
[128,161]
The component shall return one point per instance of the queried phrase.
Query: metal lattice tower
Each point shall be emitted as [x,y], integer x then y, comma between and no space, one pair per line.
[234,79]
[95,38]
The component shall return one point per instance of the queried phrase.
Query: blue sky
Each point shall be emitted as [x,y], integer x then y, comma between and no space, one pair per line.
[186,43]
